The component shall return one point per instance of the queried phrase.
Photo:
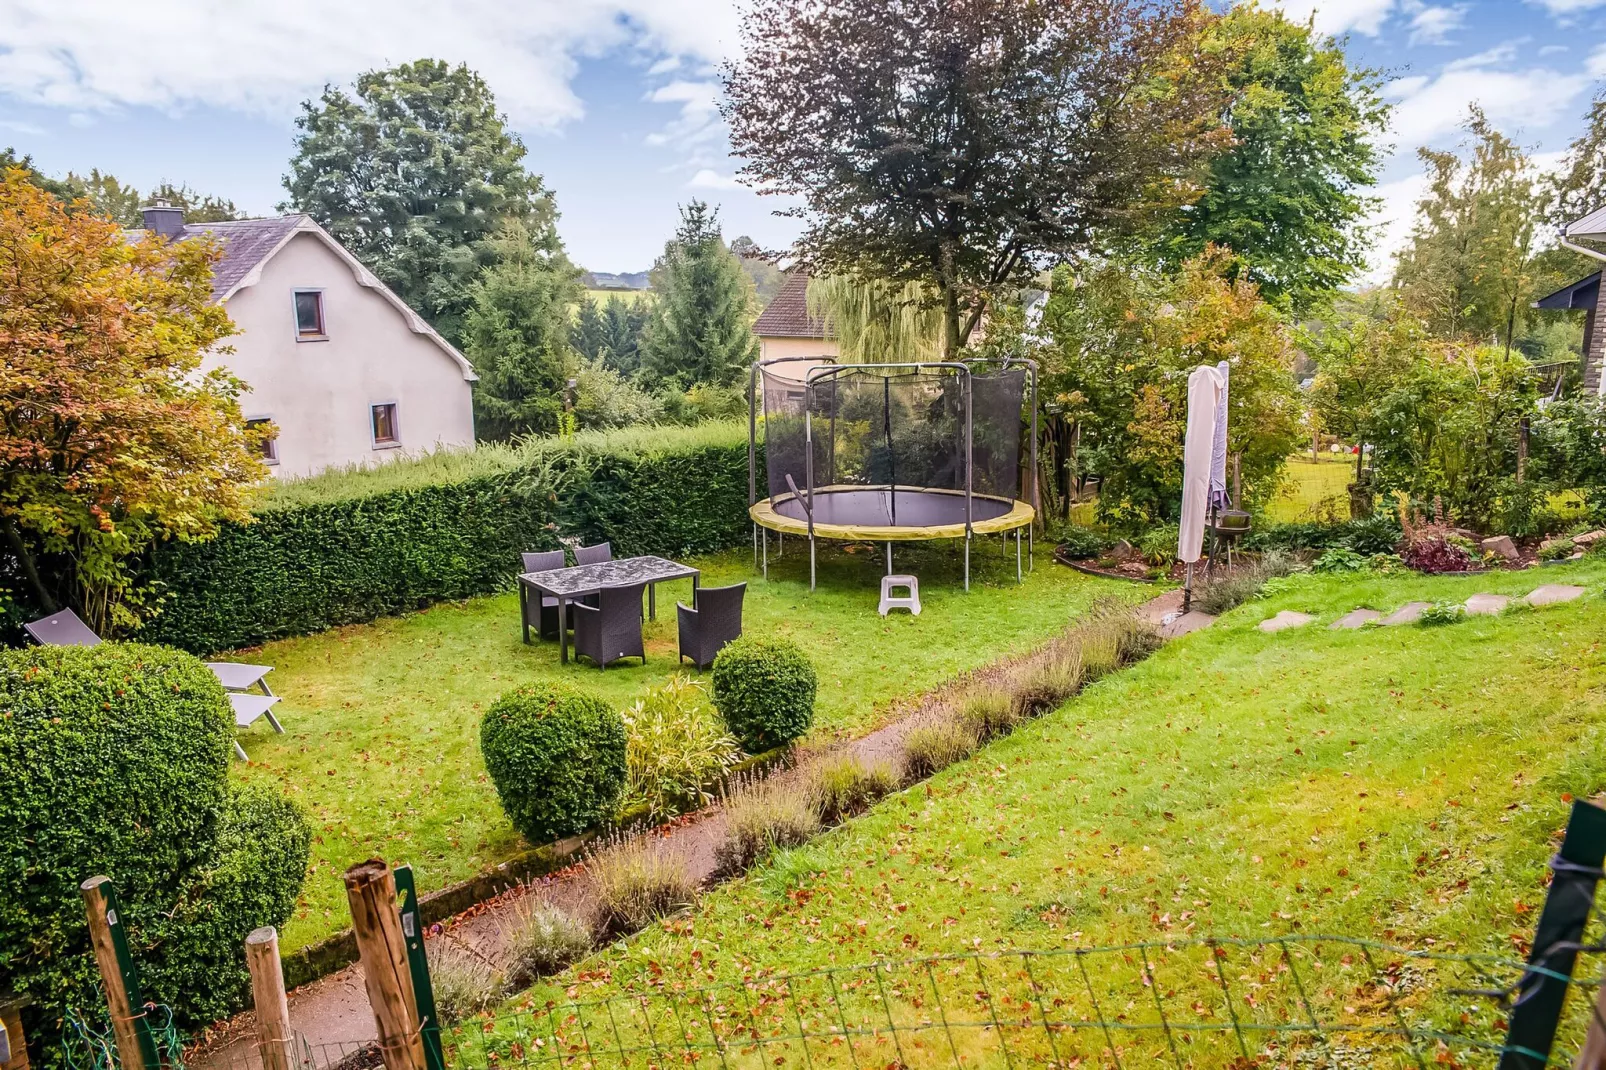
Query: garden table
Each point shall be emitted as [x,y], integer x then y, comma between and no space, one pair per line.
[577,581]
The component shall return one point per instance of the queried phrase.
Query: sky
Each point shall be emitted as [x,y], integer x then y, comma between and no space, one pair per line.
[617,100]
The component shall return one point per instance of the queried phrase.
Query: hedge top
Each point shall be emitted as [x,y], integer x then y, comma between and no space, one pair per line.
[448,466]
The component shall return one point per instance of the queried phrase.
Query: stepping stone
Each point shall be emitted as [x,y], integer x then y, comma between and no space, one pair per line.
[1354,619]
[1187,622]
[1486,605]
[1553,593]
[1409,613]
[1285,620]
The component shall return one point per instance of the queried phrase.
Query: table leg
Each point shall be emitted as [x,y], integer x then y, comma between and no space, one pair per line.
[696,581]
[563,633]
[274,721]
[524,611]
[263,684]
[652,601]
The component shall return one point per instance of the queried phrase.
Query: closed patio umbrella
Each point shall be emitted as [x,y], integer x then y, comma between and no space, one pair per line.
[1207,389]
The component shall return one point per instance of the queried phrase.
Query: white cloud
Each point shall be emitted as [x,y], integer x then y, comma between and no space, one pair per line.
[1433,24]
[1564,8]
[1597,63]
[262,58]
[708,178]
[697,132]
[1428,109]
[1504,52]
[17,126]
[1340,16]
[1390,224]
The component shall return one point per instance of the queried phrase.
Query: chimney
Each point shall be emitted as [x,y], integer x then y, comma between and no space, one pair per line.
[163,220]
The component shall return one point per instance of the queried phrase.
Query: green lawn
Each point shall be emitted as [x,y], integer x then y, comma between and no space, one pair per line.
[382,720]
[1403,784]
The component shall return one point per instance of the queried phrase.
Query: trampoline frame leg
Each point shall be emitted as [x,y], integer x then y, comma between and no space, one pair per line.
[1018,577]
[780,544]
[889,557]
[765,536]
[967,561]
[811,563]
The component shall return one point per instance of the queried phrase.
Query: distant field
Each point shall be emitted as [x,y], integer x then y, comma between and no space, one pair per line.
[630,296]
[1309,484]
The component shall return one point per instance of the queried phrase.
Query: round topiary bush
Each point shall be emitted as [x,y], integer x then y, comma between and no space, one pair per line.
[114,760]
[764,689]
[557,757]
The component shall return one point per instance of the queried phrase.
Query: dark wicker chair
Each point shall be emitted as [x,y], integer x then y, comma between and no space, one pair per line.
[593,555]
[544,617]
[716,620]
[612,629]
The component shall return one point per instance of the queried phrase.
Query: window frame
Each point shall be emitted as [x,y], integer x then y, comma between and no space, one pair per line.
[271,454]
[322,334]
[395,425]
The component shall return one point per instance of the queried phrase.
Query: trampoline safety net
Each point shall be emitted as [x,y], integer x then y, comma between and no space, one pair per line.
[899,432]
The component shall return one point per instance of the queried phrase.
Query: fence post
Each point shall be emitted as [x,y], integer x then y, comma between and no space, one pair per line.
[136,1044]
[275,1041]
[1568,904]
[418,965]
[14,1052]
[371,891]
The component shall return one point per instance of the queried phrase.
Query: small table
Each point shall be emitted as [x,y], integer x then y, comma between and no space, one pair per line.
[237,676]
[567,584]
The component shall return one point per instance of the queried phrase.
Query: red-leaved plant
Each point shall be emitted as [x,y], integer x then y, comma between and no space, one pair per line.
[1431,543]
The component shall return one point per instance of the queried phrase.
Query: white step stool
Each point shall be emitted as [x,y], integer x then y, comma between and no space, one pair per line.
[911,602]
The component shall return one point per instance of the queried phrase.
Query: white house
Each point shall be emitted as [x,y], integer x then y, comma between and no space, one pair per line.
[786,330]
[347,372]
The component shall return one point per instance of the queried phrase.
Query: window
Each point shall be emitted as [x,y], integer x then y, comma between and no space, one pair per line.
[386,431]
[309,315]
[268,447]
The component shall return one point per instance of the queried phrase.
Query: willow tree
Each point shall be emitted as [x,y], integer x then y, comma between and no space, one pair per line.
[876,322]
[963,145]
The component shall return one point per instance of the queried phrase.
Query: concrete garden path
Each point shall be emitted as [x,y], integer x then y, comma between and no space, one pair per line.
[1478,605]
[332,1014]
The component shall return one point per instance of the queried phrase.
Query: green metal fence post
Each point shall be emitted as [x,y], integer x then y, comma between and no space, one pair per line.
[418,965]
[136,1041]
[1537,1010]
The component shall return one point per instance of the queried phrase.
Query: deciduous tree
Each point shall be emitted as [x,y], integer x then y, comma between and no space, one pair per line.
[415,173]
[111,435]
[1288,195]
[965,144]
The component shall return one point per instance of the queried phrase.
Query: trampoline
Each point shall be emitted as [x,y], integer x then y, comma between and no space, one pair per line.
[891,452]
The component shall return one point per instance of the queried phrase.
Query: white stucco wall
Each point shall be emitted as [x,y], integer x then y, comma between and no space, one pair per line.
[319,392]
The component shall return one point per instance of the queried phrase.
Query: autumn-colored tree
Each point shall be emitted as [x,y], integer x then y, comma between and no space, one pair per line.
[111,434]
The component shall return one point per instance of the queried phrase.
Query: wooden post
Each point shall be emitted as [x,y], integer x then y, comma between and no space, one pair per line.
[15,1056]
[371,891]
[275,1041]
[136,1046]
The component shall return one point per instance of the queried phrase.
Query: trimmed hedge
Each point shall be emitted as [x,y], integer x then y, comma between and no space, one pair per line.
[764,689]
[114,760]
[557,757]
[352,546]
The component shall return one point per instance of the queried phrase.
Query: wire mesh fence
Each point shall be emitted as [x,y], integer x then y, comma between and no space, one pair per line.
[1294,1001]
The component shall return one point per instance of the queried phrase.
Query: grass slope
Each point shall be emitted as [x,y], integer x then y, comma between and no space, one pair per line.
[1403,784]
[382,719]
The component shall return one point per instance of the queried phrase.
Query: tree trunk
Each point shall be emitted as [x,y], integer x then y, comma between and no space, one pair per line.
[30,568]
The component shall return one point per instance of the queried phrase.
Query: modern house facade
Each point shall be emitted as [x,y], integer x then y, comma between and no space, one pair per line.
[785,328]
[1587,236]
[343,368]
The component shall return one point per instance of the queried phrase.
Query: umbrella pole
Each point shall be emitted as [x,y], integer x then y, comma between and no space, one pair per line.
[1187,590]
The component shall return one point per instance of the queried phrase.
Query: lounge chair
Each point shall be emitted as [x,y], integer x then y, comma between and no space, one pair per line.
[593,555]
[544,616]
[611,629]
[68,629]
[714,619]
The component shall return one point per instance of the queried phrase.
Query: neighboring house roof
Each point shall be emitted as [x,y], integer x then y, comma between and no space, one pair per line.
[248,245]
[1590,228]
[1585,293]
[788,314]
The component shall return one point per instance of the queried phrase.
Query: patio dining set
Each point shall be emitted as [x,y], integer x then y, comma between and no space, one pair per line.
[599,600]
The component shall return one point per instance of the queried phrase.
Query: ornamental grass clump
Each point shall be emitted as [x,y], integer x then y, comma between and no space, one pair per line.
[556,755]
[676,748]
[463,982]
[638,880]
[1055,676]
[989,713]
[764,689]
[844,786]
[762,816]
[543,940]
[936,743]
